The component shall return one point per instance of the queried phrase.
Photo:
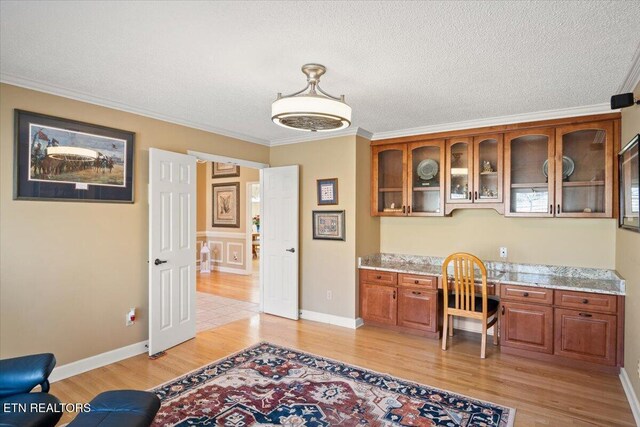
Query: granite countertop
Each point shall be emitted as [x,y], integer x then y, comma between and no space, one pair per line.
[595,280]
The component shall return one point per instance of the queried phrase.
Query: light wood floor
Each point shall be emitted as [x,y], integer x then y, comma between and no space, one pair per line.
[235,286]
[543,394]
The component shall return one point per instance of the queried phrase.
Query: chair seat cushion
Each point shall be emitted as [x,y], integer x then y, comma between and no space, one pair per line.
[21,413]
[492,305]
[131,408]
[21,374]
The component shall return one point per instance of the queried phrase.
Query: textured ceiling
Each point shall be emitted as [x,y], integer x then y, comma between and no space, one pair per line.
[219,65]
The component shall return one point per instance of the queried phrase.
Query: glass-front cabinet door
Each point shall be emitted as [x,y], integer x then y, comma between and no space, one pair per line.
[459,170]
[584,167]
[487,166]
[529,173]
[389,180]
[426,178]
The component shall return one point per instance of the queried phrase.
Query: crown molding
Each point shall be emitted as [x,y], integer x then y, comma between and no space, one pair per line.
[317,136]
[633,76]
[502,120]
[91,99]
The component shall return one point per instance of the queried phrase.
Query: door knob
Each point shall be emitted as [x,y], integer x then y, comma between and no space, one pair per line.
[292,250]
[159,261]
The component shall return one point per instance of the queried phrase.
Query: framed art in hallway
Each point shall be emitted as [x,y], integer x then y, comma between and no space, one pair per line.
[66,160]
[224,170]
[628,164]
[328,225]
[226,205]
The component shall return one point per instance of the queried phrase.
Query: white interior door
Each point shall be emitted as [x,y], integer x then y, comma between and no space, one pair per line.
[172,253]
[279,241]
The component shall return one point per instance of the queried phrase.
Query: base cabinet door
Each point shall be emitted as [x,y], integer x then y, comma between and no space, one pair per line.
[585,336]
[527,327]
[379,303]
[417,309]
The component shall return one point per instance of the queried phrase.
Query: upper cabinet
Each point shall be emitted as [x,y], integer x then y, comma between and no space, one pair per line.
[529,177]
[584,154]
[388,195]
[562,170]
[408,179]
[474,173]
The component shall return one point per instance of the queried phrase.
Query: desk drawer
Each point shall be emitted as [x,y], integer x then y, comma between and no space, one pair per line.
[586,301]
[527,293]
[416,280]
[381,277]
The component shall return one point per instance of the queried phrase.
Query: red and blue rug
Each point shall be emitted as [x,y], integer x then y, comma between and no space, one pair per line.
[269,385]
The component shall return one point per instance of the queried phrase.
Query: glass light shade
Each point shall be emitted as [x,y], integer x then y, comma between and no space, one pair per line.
[312,113]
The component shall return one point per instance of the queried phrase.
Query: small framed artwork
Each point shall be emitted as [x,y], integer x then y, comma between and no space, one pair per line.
[58,159]
[629,170]
[328,225]
[328,191]
[224,170]
[226,205]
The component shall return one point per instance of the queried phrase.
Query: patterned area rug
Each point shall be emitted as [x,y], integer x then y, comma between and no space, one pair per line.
[269,385]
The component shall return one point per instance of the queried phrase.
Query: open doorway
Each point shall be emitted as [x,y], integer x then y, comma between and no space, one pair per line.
[228,243]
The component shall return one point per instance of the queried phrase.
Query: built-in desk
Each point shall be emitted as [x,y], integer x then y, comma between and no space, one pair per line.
[563,314]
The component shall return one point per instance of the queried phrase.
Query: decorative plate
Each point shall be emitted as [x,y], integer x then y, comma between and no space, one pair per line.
[567,167]
[427,169]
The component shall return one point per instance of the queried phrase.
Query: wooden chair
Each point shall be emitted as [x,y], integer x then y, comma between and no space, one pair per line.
[463,301]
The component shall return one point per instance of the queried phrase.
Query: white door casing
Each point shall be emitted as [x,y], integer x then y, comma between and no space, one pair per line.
[172,237]
[279,241]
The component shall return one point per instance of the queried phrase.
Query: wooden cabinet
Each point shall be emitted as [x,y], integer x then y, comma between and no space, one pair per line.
[555,168]
[562,172]
[407,302]
[388,195]
[527,326]
[474,172]
[584,168]
[529,189]
[379,303]
[586,336]
[408,179]
[418,309]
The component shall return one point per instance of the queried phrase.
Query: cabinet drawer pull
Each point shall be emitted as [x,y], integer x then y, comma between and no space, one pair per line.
[416,281]
[585,301]
[526,294]
[470,195]
[559,211]
[394,294]
[408,209]
[378,277]
[503,310]
[416,293]
[475,195]
[585,314]
[404,209]
[550,209]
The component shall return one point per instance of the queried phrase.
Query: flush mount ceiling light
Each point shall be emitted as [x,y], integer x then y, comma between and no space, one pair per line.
[311,111]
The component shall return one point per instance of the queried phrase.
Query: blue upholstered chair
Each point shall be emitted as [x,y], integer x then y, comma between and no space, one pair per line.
[20,375]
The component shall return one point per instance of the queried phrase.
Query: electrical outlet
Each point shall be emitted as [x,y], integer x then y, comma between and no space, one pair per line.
[503,252]
[329,295]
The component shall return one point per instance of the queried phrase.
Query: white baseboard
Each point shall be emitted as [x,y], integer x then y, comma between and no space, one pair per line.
[230,270]
[631,395]
[97,361]
[345,322]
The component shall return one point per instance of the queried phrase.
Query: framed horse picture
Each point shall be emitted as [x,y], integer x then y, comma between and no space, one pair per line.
[59,159]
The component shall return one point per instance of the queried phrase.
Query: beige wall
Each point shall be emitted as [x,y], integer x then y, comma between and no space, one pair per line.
[367,226]
[70,271]
[560,241]
[325,265]
[201,197]
[628,265]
